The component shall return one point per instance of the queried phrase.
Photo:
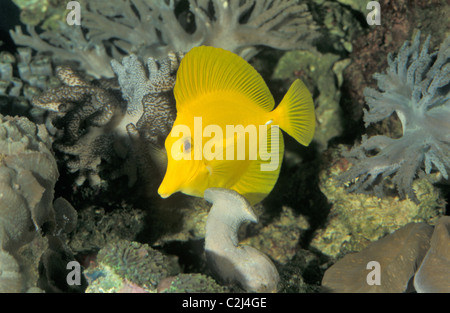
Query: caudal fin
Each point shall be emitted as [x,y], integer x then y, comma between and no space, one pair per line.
[295,114]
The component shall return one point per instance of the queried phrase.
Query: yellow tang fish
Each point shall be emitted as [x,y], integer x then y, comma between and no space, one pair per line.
[226,133]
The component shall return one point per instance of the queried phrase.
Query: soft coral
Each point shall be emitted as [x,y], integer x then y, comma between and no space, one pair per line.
[416,87]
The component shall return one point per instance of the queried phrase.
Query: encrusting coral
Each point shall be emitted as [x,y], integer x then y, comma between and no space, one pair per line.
[92,123]
[130,267]
[416,88]
[152,28]
[127,266]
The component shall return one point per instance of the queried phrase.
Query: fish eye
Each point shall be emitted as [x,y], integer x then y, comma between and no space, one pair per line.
[187,145]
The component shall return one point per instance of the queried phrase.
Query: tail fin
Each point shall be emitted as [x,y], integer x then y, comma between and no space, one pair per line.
[295,114]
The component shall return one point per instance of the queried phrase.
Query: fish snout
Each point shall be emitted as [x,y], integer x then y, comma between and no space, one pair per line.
[164,192]
[168,187]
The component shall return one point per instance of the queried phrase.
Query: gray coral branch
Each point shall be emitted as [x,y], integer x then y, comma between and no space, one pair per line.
[152,28]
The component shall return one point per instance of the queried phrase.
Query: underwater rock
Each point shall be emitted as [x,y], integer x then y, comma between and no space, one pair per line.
[125,265]
[434,272]
[397,254]
[355,220]
[356,5]
[252,269]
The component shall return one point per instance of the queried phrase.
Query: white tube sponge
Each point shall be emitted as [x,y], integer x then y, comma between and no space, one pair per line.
[249,267]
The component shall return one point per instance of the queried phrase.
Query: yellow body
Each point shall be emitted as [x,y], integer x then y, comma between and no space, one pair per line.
[216,89]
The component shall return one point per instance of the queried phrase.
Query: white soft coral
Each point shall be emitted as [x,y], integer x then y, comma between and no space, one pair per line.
[416,87]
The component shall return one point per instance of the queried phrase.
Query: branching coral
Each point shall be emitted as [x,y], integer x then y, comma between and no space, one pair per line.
[82,111]
[416,87]
[92,123]
[152,28]
[70,44]
[148,91]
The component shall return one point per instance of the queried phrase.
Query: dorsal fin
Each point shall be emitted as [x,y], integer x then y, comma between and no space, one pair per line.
[207,70]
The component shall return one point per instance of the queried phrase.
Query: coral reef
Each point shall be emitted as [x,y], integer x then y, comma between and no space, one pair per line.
[252,269]
[415,87]
[152,29]
[341,25]
[355,220]
[99,99]
[398,256]
[302,273]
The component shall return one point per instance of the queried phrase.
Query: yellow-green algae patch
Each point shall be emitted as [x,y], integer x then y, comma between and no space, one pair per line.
[355,220]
